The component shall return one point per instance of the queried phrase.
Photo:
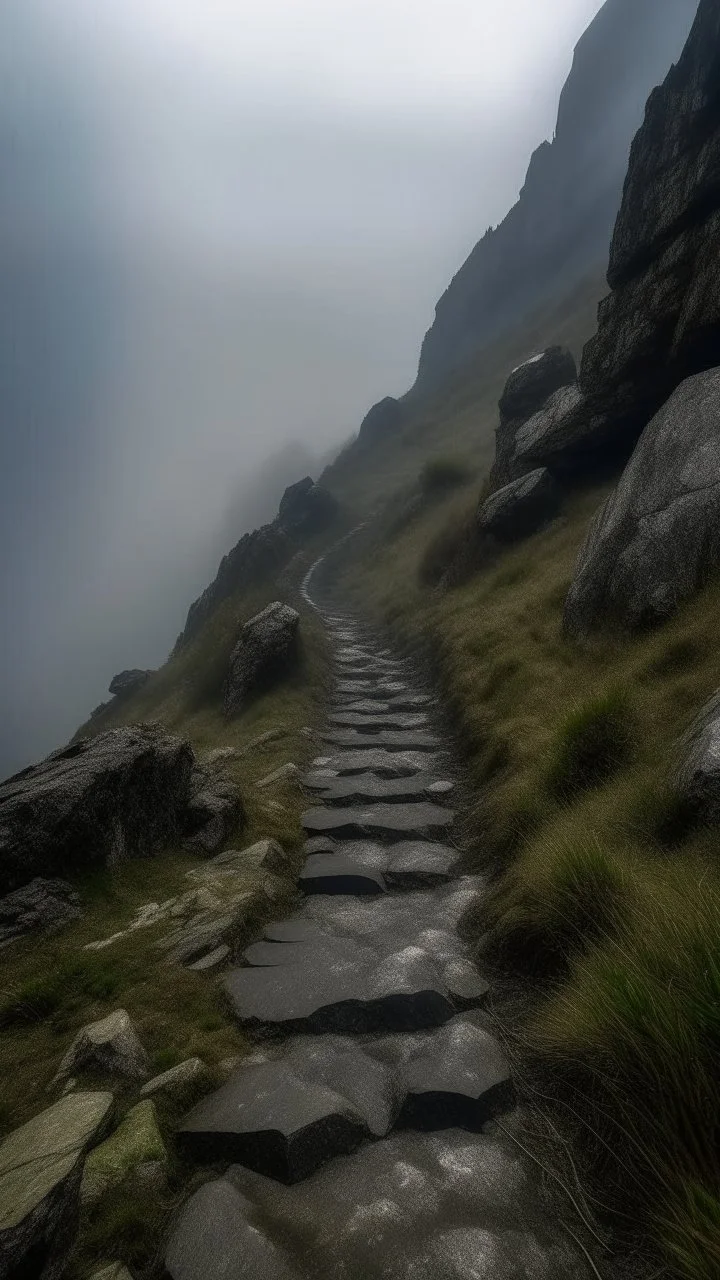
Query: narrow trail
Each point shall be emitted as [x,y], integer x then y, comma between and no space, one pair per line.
[360,1136]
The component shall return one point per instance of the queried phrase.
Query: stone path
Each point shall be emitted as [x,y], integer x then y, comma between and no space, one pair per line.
[358,1139]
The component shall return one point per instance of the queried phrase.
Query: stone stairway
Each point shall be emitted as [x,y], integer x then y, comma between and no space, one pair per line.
[358,1140]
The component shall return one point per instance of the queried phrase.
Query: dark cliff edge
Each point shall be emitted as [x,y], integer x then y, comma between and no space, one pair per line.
[560,227]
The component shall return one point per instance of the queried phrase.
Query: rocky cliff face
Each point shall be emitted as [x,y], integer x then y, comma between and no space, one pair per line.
[661,323]
[305,509]
[561,225]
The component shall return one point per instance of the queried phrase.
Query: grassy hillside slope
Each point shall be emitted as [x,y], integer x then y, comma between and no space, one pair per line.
[603,920]
[52,986]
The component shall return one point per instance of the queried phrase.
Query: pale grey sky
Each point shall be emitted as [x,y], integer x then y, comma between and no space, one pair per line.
[223,227]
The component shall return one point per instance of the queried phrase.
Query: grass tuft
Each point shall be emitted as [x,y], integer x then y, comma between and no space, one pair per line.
[593,742]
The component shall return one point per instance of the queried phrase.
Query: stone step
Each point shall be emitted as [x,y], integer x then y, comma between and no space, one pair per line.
[416,1206]
[333,873]
[392,739]
[365,787]
[407,864]
[377,760]
[373,723]
[349,965]
[388,821]
[287,1114]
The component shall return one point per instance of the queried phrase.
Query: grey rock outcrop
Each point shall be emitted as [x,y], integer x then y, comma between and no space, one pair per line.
[306,508]
[558,231]
[697,778]
[109,1047]
[42,905]
[215,810]
[40,1171]
[264,653]
[657,538]
[128,682]
[120,794]
[519,508]
[661,323]
[527,390]
[385,418]
[532,383]
[257,557]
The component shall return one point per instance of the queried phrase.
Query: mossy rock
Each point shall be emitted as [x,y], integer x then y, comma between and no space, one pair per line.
[137,1141]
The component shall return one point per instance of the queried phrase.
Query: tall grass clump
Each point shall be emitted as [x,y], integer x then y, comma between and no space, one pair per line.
[633,1040]
[592,743]
[563,893]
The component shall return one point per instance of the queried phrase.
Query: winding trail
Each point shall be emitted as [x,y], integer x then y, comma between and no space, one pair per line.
[360,1136]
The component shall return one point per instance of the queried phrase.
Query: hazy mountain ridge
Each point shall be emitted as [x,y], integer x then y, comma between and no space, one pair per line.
[562,223]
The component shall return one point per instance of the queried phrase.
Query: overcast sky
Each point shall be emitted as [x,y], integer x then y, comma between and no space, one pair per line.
[223,228]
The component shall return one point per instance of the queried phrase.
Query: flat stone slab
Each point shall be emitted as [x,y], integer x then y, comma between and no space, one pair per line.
[378,760]
[354,965]
[389,821]
[372,722]
[287,1115]
[368,706]
[408,864]
[417,1206]
[333,873]
[392,739]
[366,787]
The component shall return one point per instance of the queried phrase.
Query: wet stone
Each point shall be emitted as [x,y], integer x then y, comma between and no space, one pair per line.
[390,821]
[332,873]
[378,760]
[356,965]
[287,1116]
[366,787]
[392,739]
[399,1209]
[374,721]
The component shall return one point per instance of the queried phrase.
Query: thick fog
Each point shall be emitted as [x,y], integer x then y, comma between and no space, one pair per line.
[223,228]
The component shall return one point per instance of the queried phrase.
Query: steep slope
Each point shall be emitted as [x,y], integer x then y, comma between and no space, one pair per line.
[561,225]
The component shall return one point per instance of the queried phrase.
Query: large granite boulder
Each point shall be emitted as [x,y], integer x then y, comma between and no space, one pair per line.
[306,508]
[128,682]
[264,653]
[39,906]
[215,810]
[532,383]
[657,538]
[697,777]
[519,508]
[118,795]
[662,321]
[40,1171]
